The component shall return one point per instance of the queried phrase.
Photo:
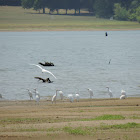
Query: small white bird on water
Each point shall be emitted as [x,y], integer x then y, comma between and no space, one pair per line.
[109,92]
[90,93]
[37,96]
[123,95]
[43,70]
[30,94]
[54,97]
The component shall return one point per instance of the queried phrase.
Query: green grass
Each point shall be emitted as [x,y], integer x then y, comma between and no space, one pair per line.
[105,117]
[84,131]
[28,130]
[76,131]
[135,117]
[54,120]
[21,120]
[35,120]
[121,126]
[110,117]
[29,19]
[92,130]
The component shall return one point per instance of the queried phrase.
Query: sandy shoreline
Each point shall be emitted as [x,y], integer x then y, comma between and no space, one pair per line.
[25,119]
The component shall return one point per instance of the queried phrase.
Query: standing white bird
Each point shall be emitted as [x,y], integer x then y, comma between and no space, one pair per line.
[77,97]
[123,95]
[61,94]
[30,94]
[90,93]
[54,97]
[43,70]
[109,92]
[37,96]
[123,92]
[70,97]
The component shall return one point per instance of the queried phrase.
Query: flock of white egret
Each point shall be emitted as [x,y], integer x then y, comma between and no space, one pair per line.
[71,97]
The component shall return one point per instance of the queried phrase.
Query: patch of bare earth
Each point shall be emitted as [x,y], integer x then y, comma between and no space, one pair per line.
[24,119]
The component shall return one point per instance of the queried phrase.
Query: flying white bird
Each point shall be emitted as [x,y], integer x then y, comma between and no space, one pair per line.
[43,70]
[30,94]
[90,92]
[37,96]
[123,95]
[54,97]
[70,97]
[109,92]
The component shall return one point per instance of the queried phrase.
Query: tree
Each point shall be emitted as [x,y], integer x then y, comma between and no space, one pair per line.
[40,4]
[10,2]
[138,14]
[27,4]
[120,12]
[74,4]
[103,8]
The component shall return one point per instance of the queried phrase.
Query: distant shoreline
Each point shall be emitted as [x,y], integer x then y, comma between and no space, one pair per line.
[29,20]
[65,30]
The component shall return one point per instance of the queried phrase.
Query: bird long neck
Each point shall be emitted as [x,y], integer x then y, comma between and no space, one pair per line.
[108,88]
[56,92]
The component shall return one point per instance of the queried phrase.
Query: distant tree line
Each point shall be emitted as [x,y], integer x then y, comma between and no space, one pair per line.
[10,2]
[117,9]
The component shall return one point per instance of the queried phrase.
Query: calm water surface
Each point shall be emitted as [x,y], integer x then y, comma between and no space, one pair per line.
[81,61]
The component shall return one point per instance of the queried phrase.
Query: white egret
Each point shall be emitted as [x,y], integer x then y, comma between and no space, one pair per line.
[109,92]
[90,92]
[77,97]
[123,95]
[43,70]
[30,94]
[70,97]
[123,92]
[54,97]
[37,96]
[61,94]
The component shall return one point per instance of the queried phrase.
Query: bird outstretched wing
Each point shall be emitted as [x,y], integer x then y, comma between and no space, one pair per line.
[43,70]
[37,66]
[39,78]
[51,74]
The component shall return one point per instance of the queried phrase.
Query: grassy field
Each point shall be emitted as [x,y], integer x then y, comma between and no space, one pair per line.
[19,19]
[90,119]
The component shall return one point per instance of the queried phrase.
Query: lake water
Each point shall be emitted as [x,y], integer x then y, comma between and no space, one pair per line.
[81,60]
